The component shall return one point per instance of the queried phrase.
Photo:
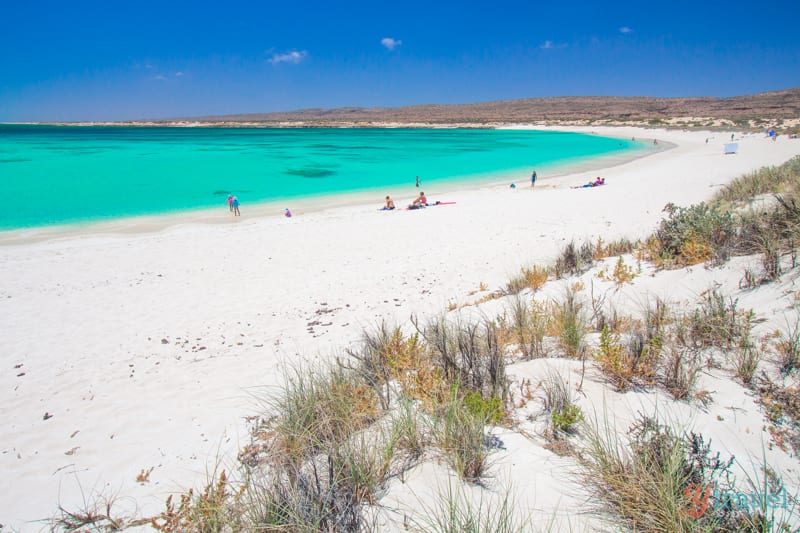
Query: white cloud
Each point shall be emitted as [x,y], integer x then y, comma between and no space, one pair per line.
[293,56]
[160,78]
[550,45]
[178,74]
[391,43]
[625,29]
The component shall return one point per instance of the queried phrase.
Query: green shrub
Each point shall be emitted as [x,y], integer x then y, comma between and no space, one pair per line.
[693,235]
[461,435]
[490,410]
[718,322]
[567,418]
[648,483]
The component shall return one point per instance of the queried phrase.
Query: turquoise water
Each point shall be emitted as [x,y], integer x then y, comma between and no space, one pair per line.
[68,174]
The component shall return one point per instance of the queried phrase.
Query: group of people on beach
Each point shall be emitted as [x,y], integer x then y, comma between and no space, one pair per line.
[233,205]
[419,202]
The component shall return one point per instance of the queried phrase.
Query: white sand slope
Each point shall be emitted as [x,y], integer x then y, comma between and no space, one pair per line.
[121,353]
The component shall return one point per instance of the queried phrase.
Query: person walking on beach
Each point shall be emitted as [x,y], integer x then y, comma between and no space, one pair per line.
[230,202]
[533,179]
[235,207]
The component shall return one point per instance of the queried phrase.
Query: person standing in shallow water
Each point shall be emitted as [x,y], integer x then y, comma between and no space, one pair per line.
[230,202]
[417,182]
[235,206]
[533,179]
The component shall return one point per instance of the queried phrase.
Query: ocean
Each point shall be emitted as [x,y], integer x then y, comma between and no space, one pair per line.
[77,174]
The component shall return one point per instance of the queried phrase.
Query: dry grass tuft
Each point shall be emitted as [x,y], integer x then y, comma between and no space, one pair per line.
[569,323]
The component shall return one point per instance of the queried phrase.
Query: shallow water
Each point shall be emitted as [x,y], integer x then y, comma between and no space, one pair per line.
[70,174]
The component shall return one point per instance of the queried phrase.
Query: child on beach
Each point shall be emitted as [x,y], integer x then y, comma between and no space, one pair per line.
[235,206]
[287,213]
[230,202]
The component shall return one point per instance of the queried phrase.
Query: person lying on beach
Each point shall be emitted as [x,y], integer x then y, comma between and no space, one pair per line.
[389,205]
[420,201]
[596,183]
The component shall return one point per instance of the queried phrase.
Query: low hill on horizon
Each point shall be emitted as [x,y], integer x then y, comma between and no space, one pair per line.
[776,105]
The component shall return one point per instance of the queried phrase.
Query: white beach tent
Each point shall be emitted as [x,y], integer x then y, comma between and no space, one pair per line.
[731,148]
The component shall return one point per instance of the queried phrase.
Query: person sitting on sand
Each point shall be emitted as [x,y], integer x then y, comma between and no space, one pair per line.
[389,205]
[287,213]
[420,201]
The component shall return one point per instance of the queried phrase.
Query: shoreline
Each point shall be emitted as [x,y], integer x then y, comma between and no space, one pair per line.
[154,223]
[147,352]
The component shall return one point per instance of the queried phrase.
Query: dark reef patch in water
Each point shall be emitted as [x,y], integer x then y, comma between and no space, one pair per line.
[310,172]
[227,191]
[19,160]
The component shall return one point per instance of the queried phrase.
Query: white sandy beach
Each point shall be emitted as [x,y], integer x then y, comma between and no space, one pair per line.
[122,353]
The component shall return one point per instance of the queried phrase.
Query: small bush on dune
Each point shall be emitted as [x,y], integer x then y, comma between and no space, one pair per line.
[529,278]
[216,508]
[692,235]
[527,325]
[569,323]
[380,352]
[363,463]
[630,364]
[573,260]
[565,420]
[746,360]
[622,246]
[559,402]
[491,409]
[788,348]
[301,500]
[409,431]
[456,512]
[656,317]
[649,483]
[718,322]
[469,354]
[459,432]
[681,369]
[96,514]
[320,407]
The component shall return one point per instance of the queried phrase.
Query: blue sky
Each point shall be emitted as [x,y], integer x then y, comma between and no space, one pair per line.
[120,60]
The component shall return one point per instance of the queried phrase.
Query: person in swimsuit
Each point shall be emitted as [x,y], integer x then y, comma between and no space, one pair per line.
[420,201]
[389,205]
